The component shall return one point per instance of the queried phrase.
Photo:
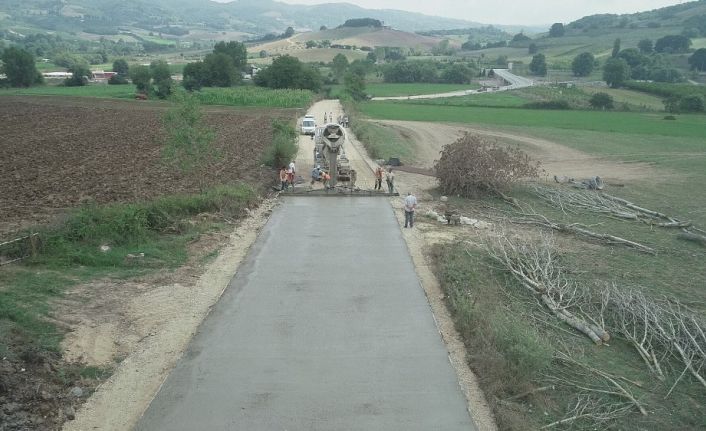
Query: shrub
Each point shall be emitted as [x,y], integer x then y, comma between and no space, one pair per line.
[601,101]
[549,104]
[474,166]
[693,103]
[284,145]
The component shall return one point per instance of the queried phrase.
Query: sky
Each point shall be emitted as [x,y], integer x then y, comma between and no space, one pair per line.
[515,12]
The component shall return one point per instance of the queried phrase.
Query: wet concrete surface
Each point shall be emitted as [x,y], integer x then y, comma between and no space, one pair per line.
[324,327]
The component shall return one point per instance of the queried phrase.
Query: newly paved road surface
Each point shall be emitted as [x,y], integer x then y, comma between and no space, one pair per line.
[324,327]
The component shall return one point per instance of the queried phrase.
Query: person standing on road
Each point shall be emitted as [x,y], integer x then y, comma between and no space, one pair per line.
[390,180]
[410,205]
[292,171]
[283,178]
[325,117]
[378,178]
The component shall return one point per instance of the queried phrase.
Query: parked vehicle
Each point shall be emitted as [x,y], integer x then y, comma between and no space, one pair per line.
[308,125]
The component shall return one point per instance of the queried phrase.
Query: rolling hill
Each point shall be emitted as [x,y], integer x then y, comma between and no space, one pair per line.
[255,17]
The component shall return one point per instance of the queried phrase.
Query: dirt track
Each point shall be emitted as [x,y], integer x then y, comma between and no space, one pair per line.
[557,159]
[59,153]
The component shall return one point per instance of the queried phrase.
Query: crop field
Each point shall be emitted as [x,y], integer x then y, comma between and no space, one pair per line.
[578,98]
[624,122]
[234,96]
[51,164]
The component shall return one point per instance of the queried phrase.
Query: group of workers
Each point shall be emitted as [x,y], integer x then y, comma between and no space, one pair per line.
[389,179]
[341,120]
[287,175]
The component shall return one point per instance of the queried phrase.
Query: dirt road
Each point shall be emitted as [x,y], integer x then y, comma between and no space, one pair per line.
[557,159]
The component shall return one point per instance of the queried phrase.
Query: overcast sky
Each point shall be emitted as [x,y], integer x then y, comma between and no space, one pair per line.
[510,11]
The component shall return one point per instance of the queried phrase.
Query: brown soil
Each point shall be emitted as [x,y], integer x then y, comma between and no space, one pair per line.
[557,159]
[59,153]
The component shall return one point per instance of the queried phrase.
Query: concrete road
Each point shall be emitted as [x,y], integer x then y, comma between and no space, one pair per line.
[324,327]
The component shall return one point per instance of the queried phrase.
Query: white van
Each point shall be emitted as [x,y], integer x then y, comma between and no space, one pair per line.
[308,125]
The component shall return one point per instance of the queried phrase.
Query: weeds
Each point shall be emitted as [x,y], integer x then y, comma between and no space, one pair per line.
[284,145]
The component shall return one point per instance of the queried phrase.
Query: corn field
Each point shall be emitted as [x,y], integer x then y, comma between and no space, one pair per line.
[256,96]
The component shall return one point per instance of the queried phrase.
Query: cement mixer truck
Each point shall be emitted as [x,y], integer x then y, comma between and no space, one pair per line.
[330,153]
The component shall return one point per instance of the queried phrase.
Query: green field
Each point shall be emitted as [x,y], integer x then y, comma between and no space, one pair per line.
[392,90]
[98,90]
[623,122]
[234,96]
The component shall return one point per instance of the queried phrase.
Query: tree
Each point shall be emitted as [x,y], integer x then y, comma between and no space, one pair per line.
[19,67]
[697,61]
[646,46]
[666,74]
[520,37]
[142,78]
[615,72]
[323,28]
[557,30]
[195,76]
[289,32]
[372,57]
[221,71]
[533,48]
[311,44]
[289,72]
[79,75]
[354,85]
[457,73]
[235,50]
[538,66]
[162,78]
[693,103]
[189,142]
[633,57]
[601,101]
[583,64]
[121,67]
[339,65]
[474,165]
[263,54]
[616,48]
[673,44]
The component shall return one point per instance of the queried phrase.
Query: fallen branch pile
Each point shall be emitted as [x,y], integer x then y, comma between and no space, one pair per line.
[535,267]
[581,230]
[603,203]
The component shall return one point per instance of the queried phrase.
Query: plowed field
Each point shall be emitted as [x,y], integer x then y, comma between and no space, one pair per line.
[60,152]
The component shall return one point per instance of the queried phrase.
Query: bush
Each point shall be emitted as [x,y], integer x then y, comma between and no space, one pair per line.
[601,101]
[693,103]
[284,145]
[474,166]
[558,105]
[118,80]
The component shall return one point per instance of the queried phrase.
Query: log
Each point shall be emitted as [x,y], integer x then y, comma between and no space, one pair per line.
[693,237]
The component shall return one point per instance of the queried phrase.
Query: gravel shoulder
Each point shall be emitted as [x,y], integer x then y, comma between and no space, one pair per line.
[151,322]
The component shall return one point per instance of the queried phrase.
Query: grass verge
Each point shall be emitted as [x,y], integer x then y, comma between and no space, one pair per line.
[381,142]
[283,148]
[70,253]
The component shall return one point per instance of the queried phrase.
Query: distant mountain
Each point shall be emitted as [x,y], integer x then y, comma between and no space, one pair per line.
[257,17]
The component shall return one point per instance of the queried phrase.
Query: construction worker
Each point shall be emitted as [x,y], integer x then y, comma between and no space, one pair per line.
[390,180]
[315,174]
[283,178]
[378,178]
